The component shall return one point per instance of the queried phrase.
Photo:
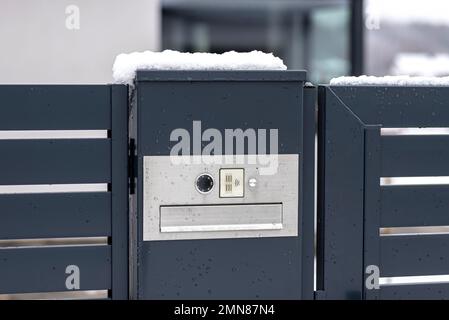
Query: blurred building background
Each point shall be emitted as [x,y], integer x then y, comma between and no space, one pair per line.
[76,41]
[72,41]
[407,37]
[316,35]
[42,42]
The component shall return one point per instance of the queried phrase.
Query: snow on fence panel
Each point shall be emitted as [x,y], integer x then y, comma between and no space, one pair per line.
[126,65]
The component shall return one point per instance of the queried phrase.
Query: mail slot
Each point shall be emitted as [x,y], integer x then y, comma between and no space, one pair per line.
[245,217]
[223,200]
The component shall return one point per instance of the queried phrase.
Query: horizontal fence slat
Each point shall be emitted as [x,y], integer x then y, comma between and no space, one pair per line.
[55,161]
[415,156]
[414,255]
[26,216]
[411,206]
[436,291]
[55,107]
[28,270]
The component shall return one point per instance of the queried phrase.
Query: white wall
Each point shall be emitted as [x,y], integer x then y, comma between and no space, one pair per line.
[36,46]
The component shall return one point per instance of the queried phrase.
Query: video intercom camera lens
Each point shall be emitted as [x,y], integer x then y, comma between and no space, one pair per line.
[204,183]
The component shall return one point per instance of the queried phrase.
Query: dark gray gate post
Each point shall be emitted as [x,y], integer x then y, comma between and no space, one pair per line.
[341,156]
[119,191]
[372,202]
[264,263]
[308,254]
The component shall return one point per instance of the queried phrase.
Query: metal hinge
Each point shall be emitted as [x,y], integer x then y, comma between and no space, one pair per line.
[132,164]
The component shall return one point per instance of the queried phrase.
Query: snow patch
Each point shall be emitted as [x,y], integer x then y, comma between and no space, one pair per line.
[419,64]
[390,81]
[126,65]
[430,12]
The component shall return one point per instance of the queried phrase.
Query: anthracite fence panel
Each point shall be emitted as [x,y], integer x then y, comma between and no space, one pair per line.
[43,269]
[404,205]
[361,198]
[359,202]
[414,255]
[45,216]
[55,161]
[55,215]
[55,107]
[415,156]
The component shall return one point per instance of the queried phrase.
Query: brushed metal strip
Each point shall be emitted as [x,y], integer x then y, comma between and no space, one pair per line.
[221,218]
[60,295]
[414,131]
[411,280]
[52,242]
[52,134]
[224,227]
[415,231]
[414,181]
[53,188]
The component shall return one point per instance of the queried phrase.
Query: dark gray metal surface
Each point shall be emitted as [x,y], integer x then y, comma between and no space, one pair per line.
[55,215]
[119,191]
[403,206]
[371,203]
[415,156]
[373,157]
[415,292]
[340,200]
[308,191]
[225,76]
[222,268]
[396,107]
[55,107]
[65,161]
[217,105]
[43,269]
[265,268]
[414,255]
[352,206]
[55,161]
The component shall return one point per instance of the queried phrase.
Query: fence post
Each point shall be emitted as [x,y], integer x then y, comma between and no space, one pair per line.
[119,191]
[308,187]
[371,206]
[340,199]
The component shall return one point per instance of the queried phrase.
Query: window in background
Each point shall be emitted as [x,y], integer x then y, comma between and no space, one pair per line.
[330,44]
[307,34]
[407,37]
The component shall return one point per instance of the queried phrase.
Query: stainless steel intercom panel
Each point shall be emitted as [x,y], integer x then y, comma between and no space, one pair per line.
[196,197]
